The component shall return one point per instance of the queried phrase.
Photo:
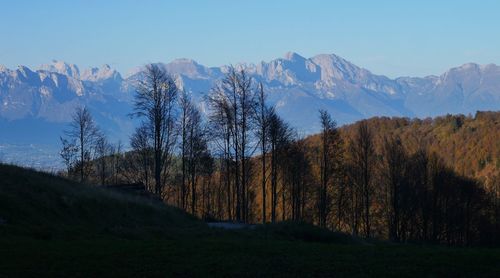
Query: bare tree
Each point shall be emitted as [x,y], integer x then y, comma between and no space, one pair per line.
[186,108]
[143,151]
[197,151]
[103,152]
[274,133]
[206,170]
[246,100]
[297,171]
[330,166]
[363,154]
[117,159]
[233,101]
[69,153]
[83,131]
[280,134]
[262,119]
[394,174]
[195,156]
[221,131]
[155,101]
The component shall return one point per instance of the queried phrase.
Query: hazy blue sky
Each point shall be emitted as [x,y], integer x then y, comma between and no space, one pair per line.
[387,37]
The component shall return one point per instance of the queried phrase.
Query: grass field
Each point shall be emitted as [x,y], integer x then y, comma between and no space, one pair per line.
[218,256]
[56,228]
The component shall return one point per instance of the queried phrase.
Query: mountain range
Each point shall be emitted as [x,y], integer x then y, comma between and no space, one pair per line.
[36,104]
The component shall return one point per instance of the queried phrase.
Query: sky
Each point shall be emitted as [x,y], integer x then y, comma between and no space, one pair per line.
[394,38]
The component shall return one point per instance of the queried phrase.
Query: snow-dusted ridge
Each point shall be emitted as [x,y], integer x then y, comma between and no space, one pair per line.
[298,85]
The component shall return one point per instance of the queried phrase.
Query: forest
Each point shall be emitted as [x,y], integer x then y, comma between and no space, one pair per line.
[398,179]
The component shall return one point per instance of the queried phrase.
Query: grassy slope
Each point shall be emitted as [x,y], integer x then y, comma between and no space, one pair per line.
[44,206]
[58,228]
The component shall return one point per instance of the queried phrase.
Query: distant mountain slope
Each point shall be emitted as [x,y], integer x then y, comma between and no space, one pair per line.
[468,144]
[298,86]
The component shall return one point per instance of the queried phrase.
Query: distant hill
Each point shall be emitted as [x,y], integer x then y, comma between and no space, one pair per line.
[468,144]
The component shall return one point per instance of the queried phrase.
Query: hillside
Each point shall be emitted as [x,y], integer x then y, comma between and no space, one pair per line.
[54,227]
[44,206]
[468,144]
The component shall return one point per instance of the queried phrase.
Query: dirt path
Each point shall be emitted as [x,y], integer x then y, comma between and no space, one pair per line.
[230,226]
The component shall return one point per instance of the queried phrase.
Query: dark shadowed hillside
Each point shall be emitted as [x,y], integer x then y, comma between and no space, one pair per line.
[54,227]
[44,206]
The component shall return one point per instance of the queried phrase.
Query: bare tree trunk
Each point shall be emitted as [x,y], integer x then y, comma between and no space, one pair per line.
[154,101]
[273,181]
[84,131]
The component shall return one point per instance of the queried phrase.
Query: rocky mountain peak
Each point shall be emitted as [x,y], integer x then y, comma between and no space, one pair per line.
[62,67]
[105,72]
[293,56]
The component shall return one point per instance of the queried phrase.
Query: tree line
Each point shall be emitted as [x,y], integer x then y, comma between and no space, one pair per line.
[243,162]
